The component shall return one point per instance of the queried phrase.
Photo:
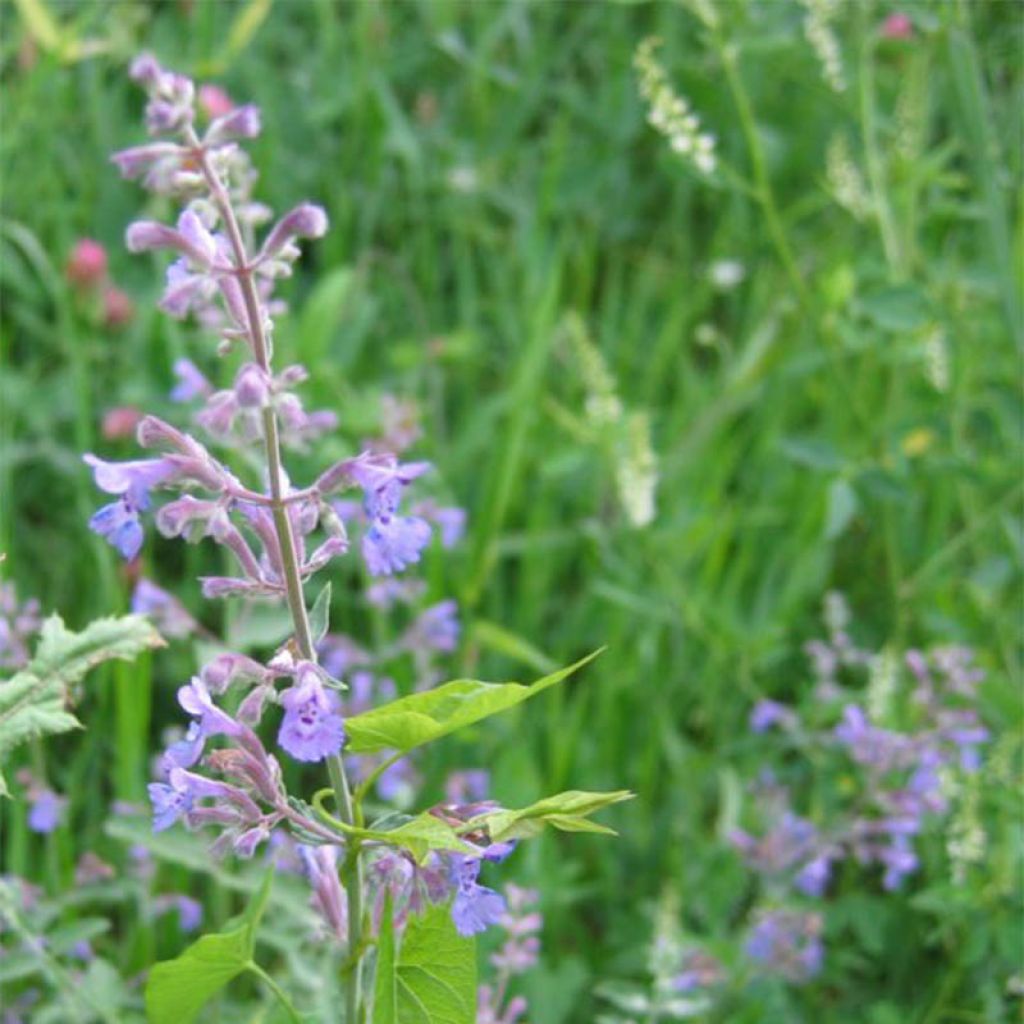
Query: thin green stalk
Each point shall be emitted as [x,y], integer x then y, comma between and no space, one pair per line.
[876,169]
[763,192]
[255,968]
[351,870]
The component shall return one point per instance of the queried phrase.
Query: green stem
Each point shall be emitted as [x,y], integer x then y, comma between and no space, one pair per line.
[352,875]
[763,191]
[876,170]
[351,871]
[276,989]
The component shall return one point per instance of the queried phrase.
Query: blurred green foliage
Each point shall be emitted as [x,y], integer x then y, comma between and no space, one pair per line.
[852,421]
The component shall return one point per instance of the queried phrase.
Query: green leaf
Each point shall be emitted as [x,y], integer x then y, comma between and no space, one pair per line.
[411,721]
[67,656]
[435,980]
[566,811]
[385,992]
[178,989]
[320,614]
[842,507]
[34,703]
[419,835]
[897,309]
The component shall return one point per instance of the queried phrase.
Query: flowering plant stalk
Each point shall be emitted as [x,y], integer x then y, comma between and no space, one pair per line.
[428,865]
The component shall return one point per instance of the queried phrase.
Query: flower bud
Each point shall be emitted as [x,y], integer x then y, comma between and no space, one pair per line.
[252,388]
[239,123]
[118,309]
[215,101]
[87,264]
[305,221]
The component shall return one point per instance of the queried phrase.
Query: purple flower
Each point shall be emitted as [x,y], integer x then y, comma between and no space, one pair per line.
[166,611]
[305,221]
[169,803]
[134,479]
[185,752]
[119,523]
[321,868]
[238,123]
[382,479]
[190,913]
[813,877]
[191,382]
[788,943]
[452,523]
[312,728]
[467,787]
[475,907]
[394,544]
[870,745]
[196,700]
[767,713]
[46,811]
[899,860]
[436,628]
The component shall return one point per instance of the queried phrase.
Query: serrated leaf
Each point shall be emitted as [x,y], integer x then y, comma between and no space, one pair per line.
[178,989]
[435,980]
[67,656]
[320,614]
[34,702]
[385,991]
[411,721]
[566,811]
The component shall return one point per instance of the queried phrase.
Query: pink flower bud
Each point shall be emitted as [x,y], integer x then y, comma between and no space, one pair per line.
[120,422]
[897,26]
[87,264]
[215,101]
[118,309]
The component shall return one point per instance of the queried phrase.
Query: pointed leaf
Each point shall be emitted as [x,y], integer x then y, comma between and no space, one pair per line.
[565,811]
[178,989]
[411,721]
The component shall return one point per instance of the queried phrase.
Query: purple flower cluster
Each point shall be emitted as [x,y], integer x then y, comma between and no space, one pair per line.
[19,623]
[218,773]
[787,943]
[521,924]
[46,808]
[899,764]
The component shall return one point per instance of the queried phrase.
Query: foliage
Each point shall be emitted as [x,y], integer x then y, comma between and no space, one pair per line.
[34,702]
[841,411]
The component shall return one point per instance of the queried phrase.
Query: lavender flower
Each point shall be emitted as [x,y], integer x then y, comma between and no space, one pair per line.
[788,943]
[191,382]
[169,615]
[46,811]
[312,727]
[19,622]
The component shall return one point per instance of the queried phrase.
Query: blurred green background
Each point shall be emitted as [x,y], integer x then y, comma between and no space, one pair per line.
[845,416]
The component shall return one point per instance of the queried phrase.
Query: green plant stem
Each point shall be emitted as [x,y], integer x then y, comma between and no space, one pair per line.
[763,191]
[352,876]
[255,968]
[351,870]
[876,169]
